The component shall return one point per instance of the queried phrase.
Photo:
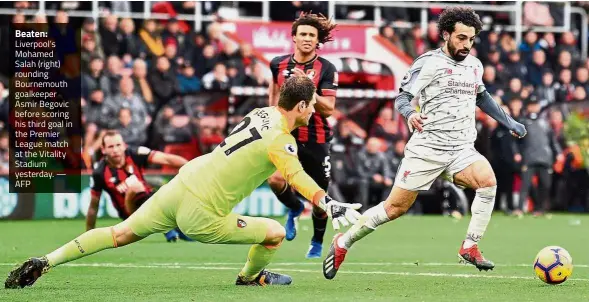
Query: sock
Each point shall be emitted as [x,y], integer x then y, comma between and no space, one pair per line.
[86,244]
[319,225]
[370,220]
[289,199]
[258,258]
[482,208]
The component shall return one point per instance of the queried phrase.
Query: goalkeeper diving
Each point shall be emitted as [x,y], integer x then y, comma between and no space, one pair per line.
[199,200]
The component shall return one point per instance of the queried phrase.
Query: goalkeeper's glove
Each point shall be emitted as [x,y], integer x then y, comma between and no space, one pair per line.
[344,213]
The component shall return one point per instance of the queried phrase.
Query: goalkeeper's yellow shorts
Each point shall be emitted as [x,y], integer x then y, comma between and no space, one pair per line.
[173,205]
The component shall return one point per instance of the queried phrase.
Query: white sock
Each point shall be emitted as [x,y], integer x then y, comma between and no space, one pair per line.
[370,220]
[482,208]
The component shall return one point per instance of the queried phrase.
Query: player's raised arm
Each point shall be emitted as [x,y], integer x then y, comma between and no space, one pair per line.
[328,87]
[96,191]
[171,160]
[274,89]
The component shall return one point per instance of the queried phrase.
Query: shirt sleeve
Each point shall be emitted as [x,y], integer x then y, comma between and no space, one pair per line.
[478,73]
[141,155]
[96,184]
[283,154]
[329,81]
[274,68]
[420,74]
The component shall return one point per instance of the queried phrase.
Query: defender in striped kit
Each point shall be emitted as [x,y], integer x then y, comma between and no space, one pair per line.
[313,141]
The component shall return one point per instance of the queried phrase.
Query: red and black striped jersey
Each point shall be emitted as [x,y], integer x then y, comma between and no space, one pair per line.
[324,75]
[115,180]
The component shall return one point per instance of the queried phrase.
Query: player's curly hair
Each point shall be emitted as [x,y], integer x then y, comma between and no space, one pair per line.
[294,90]
[464,15]
[323,25]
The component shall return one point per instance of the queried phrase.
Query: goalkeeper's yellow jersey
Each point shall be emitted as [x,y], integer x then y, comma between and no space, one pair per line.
[259,145]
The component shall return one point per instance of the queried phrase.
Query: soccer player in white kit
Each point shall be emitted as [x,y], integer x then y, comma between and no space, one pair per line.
[449,84]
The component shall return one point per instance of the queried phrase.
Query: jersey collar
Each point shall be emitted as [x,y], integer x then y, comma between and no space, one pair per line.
[292,59]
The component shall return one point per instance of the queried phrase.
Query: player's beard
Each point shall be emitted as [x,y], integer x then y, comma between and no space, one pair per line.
[455,53]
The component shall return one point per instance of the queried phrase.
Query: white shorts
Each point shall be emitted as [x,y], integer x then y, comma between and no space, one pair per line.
[421,166]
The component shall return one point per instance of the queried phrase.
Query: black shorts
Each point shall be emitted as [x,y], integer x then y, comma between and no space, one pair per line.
[316,162]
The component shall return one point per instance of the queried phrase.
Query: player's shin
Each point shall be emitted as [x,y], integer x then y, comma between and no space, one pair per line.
[86,244]
[370,220]
[482,208]
[319,224]
[258,258]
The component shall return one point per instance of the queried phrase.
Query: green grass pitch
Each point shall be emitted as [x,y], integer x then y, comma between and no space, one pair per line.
[411,259]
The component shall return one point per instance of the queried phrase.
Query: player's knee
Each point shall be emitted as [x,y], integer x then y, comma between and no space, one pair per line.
[487,181]
[275,233]
[395,211]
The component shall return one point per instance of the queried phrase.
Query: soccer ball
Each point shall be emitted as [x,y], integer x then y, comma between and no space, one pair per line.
[553,265]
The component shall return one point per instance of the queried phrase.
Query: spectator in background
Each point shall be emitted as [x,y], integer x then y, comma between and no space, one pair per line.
[529,45]
[235,74]
[394,155]
[566,88]
[433,36]
[564,61]
[129,43]
[548,44]
[579,94]
[134,135]
[389,33]
[187,81]
[114,73]
[163,83]
[247,55]
[385,127]
[548,89]
[582,78]
[494,60]
[515,67]
[141,85]
[536,67]
[151,41]
[217,79]
[374,174]
[173,32]
[414,43]
[89,51]
[127,99]
[95,78]
[515,108]
[491,42]
[507,43]
[514,90]
[171,52]
[569,44]
[89,29]
[490,81]
[110,36]
[505,160]
[205,63]
[538,149]
[257,77]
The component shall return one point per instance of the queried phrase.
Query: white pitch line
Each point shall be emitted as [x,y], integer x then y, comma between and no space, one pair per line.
[131,265]
[373,264]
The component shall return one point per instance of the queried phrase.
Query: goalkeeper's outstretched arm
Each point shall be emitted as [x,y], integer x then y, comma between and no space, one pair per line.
[283,154]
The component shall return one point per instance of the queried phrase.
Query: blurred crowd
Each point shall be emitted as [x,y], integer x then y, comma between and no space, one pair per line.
[138,77]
